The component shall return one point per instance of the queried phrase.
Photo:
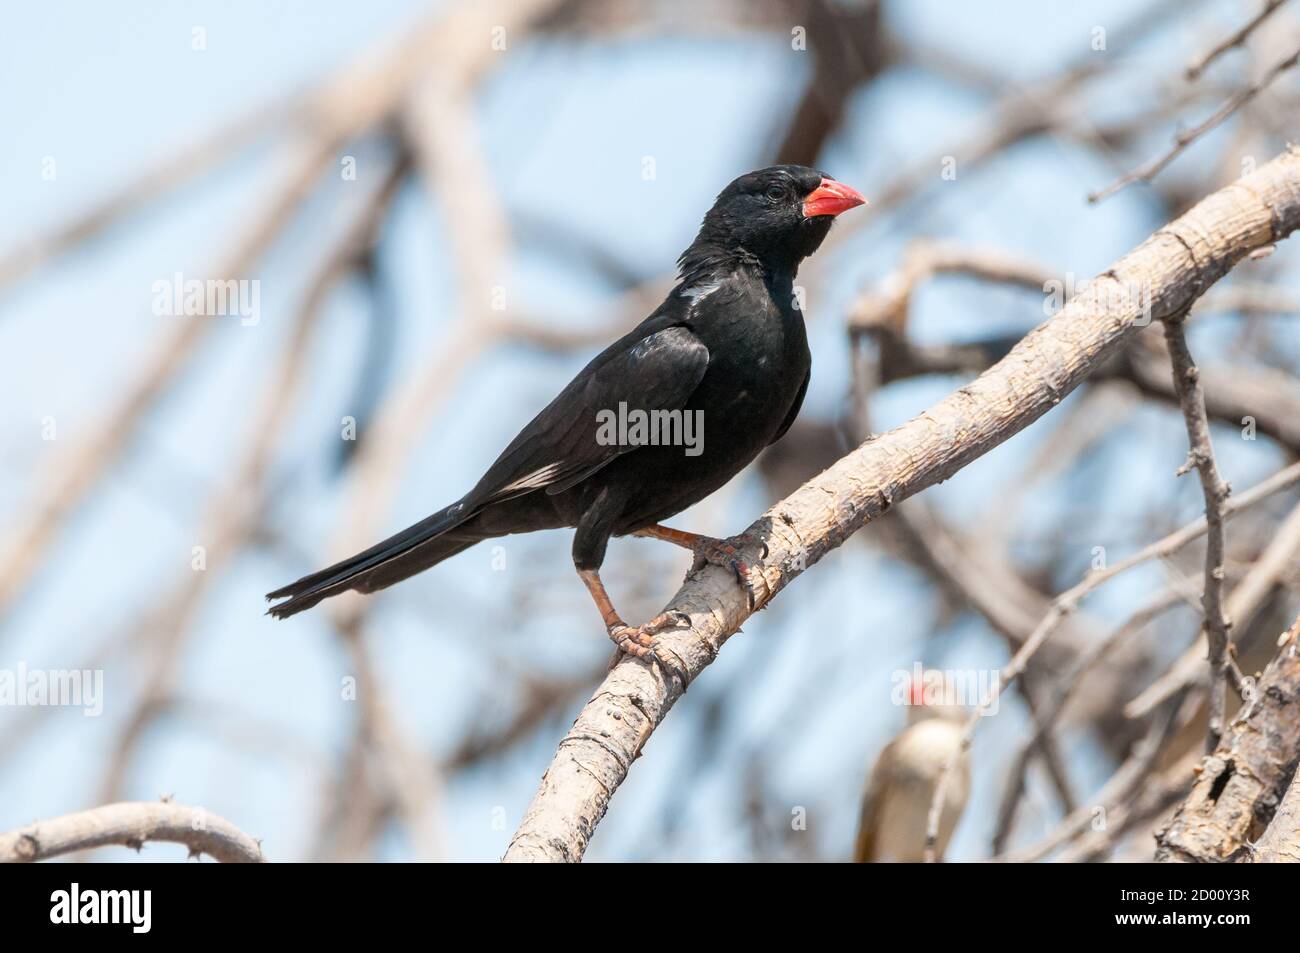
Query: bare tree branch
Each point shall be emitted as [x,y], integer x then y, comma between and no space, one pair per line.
[1047,718]
[1233,40]
[1200,457]
[1242,604]
[1281,842]
[131,824]
[848,44]
[1149,170]
[1119,789]
[1244,779]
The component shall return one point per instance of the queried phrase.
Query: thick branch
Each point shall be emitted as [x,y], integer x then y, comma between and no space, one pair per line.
[1241,783]
[131,824]
[1171,269]
[1281,842]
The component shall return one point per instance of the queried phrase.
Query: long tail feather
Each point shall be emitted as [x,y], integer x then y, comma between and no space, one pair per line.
[413,549]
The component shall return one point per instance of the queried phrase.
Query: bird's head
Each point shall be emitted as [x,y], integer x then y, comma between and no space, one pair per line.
[779,216]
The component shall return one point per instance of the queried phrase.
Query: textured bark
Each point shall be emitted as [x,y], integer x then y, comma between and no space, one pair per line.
[131,824]
[1242,782]
[1173,267]
[1281,842]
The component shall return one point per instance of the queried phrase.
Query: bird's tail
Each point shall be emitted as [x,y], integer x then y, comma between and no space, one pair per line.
[414,549]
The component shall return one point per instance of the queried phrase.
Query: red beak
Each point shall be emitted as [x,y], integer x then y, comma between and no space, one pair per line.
[831,198]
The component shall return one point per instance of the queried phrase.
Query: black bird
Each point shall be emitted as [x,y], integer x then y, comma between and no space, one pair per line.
[726,350]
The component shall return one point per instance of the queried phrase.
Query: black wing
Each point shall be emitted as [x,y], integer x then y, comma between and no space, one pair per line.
[655,367]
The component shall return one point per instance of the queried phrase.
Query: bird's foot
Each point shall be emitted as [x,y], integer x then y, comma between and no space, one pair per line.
[640,641]
[726,554]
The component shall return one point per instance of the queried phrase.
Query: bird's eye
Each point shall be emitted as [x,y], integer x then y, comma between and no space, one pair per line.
[776,192]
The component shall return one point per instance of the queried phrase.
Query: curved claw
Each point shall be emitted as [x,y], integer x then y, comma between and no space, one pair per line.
[632,641]
[726,554]
[670,668]
[639,642]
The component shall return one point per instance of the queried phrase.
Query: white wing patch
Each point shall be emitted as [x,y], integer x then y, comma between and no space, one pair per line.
[698,293]
[532,481]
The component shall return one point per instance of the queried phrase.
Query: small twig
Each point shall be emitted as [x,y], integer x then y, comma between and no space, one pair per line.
[1127,780]
[1024,111]
[1242,604]
[1011,671]
[1047,718]
[131,824]
[1232,42]
[1201,458]
[1157,796]
[982,578]
[1149,170]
